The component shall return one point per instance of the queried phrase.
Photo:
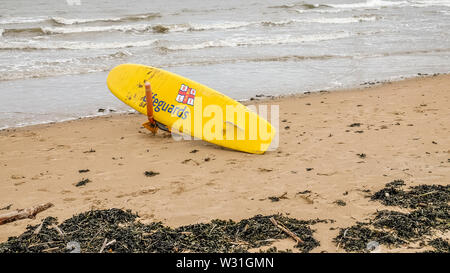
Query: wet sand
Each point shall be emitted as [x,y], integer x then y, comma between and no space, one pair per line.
[340,145]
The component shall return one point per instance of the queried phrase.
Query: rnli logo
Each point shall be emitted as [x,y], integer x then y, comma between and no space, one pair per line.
[186,95]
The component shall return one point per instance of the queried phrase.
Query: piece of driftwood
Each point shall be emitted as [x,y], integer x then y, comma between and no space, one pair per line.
[60,232]
[287,231]
[50,249]
[38,229]
[23,213]
[106,244]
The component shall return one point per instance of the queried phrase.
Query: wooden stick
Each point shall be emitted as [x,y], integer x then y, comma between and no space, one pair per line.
[60,232]
[50,249]
[345,233]
[431,192]
[287,231]
[38,229]
[103,246]
[44,243]
[106,244]
[23,213]
[111,242]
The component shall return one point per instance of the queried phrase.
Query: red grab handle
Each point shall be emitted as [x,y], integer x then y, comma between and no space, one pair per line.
[149,97]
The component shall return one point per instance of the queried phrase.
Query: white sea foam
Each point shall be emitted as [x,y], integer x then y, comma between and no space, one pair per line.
[251,41]
[332,10]
[206,27]
[67,30]
[68,21]
[70,29]
[61,118]
[428,3]
[234,25]
[339,20]
[369,4]
[30,68]
[39,44]
[132,28]
[74,21]
[323,20]
[147,27]
[22,20]
[222,25]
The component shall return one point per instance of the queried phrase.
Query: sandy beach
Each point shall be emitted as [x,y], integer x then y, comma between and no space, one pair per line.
[339,145]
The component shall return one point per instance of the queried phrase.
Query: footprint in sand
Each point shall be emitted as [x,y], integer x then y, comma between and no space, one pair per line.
[179,190]
[139,193]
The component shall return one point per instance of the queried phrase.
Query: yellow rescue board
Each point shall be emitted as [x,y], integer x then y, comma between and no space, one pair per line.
[192,108]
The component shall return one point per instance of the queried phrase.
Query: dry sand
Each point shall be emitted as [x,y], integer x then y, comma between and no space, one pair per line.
[404,133]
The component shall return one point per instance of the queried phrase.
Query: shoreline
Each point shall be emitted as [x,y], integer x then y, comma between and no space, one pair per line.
[251,100]
[403,133]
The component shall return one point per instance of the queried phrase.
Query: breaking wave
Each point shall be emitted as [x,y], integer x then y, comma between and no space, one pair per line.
[428,3]
[135,17]
[30,30]
[158,28]
[369,4]
[252,41]
[61,66]
[324,20]
[305,6]
[75,21]
[377,4]
[23,20]
[36,45]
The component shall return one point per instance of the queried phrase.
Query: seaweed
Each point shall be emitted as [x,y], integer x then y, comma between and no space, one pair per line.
[340,202]
[92,229]
[82,182]
[404,225]
[357,238]
[362,155]
[417,196]
[356,124]
[277,198]
[160,29]
[440,245]
[150,173]
[428,212]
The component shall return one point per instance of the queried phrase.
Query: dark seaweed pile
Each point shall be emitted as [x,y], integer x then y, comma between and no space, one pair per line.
[356,238]
[440,245]
[93,229]
[418,196]
[428,212]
